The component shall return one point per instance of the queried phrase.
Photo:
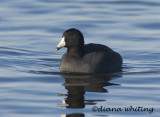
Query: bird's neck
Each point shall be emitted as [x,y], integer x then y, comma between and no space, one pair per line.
[75,52]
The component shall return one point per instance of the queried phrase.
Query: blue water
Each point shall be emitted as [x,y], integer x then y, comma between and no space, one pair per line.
[30,82]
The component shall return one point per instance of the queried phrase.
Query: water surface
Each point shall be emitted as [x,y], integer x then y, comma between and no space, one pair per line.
[30,82]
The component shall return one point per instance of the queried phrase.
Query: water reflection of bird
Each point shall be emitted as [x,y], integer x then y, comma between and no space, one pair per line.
[74,115]
[78,84]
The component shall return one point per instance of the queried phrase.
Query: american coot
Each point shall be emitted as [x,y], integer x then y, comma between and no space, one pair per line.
[87,58]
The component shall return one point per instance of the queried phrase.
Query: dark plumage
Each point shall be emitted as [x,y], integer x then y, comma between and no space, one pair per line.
[89,58]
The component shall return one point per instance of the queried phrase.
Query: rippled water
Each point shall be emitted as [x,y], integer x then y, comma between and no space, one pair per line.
[30,82]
